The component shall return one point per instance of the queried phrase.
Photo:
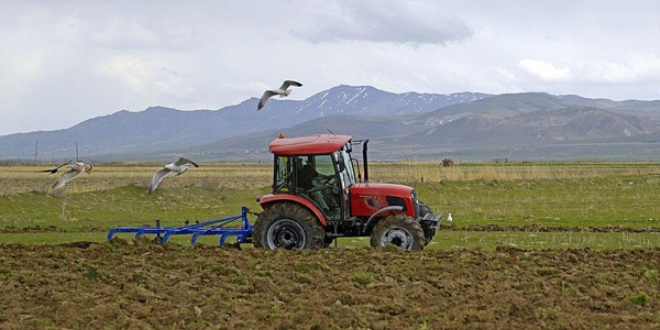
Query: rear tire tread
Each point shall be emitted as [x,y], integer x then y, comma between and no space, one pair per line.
[314,232]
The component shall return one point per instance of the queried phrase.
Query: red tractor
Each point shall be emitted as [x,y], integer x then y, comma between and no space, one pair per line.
[317,198]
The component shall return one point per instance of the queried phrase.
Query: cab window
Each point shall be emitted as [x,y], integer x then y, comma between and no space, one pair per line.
[346,174]
[283,177]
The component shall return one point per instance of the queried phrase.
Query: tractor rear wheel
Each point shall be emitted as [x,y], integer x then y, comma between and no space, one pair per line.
[399,230]
[288,226]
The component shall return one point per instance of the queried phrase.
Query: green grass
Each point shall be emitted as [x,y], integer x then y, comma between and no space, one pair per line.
[124,206]
[629,201]
[640,299]
[578,195]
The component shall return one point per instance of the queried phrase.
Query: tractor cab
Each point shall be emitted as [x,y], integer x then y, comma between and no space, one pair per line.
[323,180]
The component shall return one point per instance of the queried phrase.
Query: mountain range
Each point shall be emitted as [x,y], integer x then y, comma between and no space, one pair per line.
[471,126]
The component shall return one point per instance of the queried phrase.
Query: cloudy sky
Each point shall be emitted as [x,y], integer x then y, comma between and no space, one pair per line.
[62,62]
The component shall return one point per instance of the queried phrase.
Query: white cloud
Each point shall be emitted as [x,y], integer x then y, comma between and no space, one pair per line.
[385,21]
[130,71]
[632,70]
[545,71]
[64,62]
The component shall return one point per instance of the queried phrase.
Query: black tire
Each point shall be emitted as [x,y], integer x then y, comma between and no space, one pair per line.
[423,209]
[328,241]
[288,226]
[399,230]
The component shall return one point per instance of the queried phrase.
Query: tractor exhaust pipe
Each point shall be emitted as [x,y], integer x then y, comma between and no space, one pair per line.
[366,163]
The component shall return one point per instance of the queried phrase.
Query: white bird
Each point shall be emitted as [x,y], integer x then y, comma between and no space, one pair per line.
[179,167]
[449,219]
[282,92]
[75,169]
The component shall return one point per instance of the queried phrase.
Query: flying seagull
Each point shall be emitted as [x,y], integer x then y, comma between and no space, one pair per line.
[75,169]
[54,170]
[179,167]
[282,92]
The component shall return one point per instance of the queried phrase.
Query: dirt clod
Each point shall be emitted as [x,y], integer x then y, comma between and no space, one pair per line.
[110,285]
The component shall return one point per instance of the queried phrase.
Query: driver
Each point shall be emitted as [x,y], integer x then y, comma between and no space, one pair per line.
[313,182]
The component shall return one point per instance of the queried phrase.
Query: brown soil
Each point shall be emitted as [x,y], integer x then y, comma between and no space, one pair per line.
[45,229]
[490,227]
[144,286]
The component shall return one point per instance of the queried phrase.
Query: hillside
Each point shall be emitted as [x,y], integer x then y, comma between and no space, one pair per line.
[162,129]
[400,126]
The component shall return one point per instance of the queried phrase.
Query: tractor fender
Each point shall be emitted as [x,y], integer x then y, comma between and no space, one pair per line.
[383,210]
[267,200]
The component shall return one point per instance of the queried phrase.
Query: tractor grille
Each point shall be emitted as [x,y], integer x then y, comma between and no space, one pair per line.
[396,201]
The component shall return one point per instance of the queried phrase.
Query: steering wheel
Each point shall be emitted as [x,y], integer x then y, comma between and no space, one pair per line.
[327,180]
[325,184]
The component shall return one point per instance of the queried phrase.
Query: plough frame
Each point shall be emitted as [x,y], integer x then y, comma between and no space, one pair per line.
[242,234]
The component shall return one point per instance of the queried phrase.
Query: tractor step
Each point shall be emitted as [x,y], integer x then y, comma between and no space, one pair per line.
[218,227]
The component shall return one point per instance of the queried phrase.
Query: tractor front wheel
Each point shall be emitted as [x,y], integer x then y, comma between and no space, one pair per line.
[399,230]
[288,226]
[423,209]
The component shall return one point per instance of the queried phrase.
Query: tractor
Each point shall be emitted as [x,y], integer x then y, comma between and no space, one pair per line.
[316,198]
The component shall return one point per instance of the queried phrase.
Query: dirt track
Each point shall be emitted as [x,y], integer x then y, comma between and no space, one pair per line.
[92,286]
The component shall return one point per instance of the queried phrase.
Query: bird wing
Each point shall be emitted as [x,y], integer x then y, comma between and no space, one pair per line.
[54,170]
[267,94]
[158,177]
[67,163]
[66,177]
[183,161]
[288,83]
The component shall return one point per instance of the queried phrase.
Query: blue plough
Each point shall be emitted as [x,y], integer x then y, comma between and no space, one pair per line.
[211,227]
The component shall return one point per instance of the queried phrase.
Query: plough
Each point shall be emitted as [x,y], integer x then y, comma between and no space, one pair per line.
[211,227]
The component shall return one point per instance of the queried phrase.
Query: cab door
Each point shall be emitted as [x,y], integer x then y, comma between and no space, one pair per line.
[346,179]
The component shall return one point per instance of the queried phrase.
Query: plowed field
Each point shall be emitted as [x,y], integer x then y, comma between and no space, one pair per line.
[144,286]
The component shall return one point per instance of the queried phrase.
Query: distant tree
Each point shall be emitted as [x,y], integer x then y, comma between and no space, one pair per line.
[447,162]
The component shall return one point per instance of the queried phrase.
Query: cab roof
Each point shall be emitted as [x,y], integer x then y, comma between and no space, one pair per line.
[319,144]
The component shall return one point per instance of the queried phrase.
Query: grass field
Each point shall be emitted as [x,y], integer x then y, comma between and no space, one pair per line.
[525,278]
[567,195]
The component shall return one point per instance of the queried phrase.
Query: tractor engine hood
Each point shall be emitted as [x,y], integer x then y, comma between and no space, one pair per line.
[368,198]
[380,189]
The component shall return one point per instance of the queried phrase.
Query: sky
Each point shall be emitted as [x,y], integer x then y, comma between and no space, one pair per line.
[63,62]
